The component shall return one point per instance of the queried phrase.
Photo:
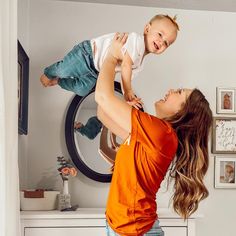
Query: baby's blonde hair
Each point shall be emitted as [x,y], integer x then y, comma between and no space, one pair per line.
[160,16]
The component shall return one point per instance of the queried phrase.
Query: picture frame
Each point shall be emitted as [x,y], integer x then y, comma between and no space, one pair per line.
[225,100]
[224,135]
[23,89]
[225,172]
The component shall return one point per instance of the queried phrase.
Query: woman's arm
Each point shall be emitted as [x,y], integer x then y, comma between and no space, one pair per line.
[110,124]
[118,110]
[107,152]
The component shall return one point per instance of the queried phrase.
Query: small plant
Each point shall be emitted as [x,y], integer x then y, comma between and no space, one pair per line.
[65,168]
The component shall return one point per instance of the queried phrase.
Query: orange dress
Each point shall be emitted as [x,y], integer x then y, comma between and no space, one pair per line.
[141,164]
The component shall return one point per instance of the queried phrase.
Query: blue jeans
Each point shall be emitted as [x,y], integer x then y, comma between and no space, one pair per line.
[76,72]
[156,230]
[91,129]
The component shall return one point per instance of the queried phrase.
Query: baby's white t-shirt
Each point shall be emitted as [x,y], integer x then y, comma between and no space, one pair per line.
[134,46]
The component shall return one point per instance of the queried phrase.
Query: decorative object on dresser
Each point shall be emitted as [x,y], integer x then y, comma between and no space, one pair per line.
[225,172]
[225,100]
[38,200]
[65,169]
[224,135]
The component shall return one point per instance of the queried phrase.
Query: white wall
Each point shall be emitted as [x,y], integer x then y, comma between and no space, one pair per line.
[203,56]
[9,195]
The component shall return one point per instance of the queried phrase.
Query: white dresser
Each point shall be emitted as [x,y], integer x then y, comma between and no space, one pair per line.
[91,222]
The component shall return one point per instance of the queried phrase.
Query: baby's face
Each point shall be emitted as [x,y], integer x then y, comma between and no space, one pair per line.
[159,36]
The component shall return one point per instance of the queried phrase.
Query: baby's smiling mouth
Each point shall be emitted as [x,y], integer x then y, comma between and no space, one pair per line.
[156,46]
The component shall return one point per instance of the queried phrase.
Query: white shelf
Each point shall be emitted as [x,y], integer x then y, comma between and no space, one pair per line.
[91,213]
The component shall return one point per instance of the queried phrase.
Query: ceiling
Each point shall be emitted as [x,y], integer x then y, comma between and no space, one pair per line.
[208,5]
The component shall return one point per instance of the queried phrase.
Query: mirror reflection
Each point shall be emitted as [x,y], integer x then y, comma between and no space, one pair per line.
[88,136]
[92,146]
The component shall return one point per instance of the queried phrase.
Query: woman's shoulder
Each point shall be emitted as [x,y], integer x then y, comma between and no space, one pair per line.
[154,123]
[170,139]
[158,132]
[167,130]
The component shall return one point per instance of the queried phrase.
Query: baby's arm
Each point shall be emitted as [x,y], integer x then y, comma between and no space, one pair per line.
[126,75]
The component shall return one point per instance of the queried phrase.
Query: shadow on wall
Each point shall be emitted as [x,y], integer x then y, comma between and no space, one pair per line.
[49,179]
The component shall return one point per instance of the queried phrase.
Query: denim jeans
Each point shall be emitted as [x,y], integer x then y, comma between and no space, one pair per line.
[156,230]
[76,72]
[91,129]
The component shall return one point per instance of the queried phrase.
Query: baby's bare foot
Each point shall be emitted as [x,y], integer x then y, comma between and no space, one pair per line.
[78,125]
[45,81]
[53,82]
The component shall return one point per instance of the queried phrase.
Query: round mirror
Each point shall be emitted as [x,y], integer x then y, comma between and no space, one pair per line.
[88,144]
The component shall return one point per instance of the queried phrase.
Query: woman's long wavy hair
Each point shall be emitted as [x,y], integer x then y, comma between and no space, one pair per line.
[192,125]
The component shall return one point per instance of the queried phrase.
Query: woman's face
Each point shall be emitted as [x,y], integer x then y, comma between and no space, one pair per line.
[172,102]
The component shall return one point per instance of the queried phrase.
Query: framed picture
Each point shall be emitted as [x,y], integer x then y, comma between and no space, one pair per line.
[225,172]
[225,99]
[23,87]
[224,135]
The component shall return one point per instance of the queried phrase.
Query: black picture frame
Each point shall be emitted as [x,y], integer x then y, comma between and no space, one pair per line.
[23,89]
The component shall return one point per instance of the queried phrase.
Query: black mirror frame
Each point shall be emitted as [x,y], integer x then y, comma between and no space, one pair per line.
[70,141]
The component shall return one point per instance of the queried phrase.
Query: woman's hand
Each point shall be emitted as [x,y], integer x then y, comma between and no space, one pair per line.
[116,46]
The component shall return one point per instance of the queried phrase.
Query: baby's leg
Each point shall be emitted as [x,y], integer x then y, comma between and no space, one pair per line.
[61,69]
[91,129]
[83,74]
[76,72]
[81,86]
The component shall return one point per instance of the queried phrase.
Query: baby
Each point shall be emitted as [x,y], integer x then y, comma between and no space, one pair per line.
[78,71]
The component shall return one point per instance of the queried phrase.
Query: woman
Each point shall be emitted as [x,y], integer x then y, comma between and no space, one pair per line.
[180,129]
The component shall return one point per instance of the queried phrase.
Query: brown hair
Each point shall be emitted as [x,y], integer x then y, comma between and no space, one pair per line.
[229,168]
[160,17]
[192,125]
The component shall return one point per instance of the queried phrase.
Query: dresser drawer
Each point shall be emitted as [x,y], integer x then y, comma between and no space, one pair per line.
[89,231]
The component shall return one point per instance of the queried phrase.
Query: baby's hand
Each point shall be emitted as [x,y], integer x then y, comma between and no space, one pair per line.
[117,44]
[135,102]
[129,96]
